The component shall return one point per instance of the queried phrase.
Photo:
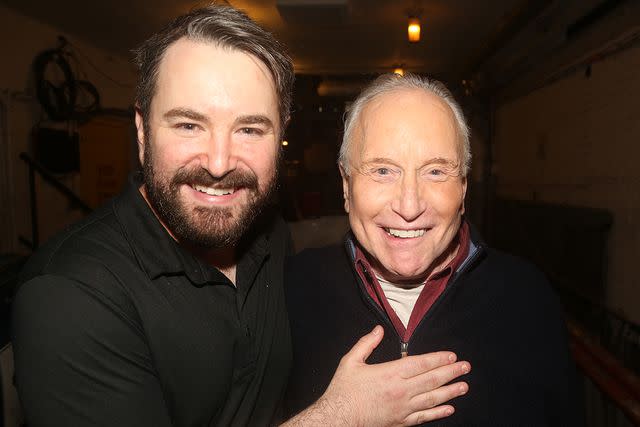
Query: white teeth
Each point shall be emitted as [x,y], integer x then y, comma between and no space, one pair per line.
[406,234]
[213,191]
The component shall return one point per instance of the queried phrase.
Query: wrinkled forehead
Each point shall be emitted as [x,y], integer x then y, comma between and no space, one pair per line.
[412,120]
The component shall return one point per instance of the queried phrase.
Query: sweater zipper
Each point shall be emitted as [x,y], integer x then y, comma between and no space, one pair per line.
[404,349]
[404,346]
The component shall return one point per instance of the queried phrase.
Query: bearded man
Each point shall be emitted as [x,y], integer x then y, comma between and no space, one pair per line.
[165,307]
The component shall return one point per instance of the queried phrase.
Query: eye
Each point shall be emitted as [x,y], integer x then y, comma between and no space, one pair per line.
[437,174]
[382,173]
[188,127]
[252,131]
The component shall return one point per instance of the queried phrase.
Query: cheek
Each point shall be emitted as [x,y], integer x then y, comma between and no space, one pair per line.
[262,161]
[167,162]
[369,199]
[169,152]
[447,199]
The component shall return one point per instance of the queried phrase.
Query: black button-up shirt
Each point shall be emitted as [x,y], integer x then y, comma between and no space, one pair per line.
[118,325]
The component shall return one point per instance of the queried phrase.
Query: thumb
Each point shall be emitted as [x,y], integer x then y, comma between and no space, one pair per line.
[365,346]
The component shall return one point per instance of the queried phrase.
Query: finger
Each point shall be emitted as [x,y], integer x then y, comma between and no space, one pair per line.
[438,396]
[412,366]
[421,417]
[365,345]
[438,377]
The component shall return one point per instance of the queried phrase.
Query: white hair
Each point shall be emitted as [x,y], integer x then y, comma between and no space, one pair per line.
[393,82]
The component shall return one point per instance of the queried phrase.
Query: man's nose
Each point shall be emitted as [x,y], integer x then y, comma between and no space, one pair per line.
[219,155]
[410,200]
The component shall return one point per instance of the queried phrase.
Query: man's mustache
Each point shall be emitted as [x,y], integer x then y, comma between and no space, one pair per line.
[234,179]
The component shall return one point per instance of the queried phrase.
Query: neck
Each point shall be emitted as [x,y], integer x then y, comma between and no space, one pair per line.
[224,259]
[410,284]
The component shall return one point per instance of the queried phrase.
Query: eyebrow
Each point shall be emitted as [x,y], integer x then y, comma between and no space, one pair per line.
[255,119]
[378,160]
[187,113]
[441,161]
[435,160]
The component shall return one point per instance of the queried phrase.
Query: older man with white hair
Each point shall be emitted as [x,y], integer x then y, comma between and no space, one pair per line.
[412,263]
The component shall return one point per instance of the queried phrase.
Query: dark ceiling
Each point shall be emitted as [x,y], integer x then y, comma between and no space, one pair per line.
[490,42]
[324,36]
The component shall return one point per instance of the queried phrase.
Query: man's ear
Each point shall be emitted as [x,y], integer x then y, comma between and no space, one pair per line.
[345,186]
[140,134]
[464,193]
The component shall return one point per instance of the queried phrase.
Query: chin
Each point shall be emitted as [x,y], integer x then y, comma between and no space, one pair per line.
[401,272]
[412,276]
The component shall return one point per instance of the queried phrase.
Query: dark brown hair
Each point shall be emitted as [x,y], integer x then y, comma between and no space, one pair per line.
[224,26]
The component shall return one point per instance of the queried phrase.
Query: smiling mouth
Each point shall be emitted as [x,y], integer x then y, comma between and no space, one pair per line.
[214,191]
[405,234]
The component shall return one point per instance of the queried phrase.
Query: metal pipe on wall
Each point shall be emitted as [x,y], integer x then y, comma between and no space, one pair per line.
[7,193]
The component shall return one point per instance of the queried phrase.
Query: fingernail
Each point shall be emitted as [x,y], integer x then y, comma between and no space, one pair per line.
[465,368]
[463,389]
[452,357]
[376,330]
[448,411]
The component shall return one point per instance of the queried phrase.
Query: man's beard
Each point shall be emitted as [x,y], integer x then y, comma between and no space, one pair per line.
[206,227]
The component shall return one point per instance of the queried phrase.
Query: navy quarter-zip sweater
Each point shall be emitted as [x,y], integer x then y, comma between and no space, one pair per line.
[498,312]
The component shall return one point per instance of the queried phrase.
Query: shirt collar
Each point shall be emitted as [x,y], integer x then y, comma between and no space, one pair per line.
[159,254]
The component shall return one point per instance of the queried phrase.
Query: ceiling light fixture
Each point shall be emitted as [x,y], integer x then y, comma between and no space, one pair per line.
[413,30]
[399,71]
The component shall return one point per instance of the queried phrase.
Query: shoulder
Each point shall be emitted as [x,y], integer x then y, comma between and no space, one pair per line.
[502,266]
[91,260]
[312,259]
[517,284]
[316,273]
[83,246]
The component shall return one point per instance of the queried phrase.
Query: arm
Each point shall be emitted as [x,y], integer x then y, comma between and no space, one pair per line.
[80,360]
[403,392]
